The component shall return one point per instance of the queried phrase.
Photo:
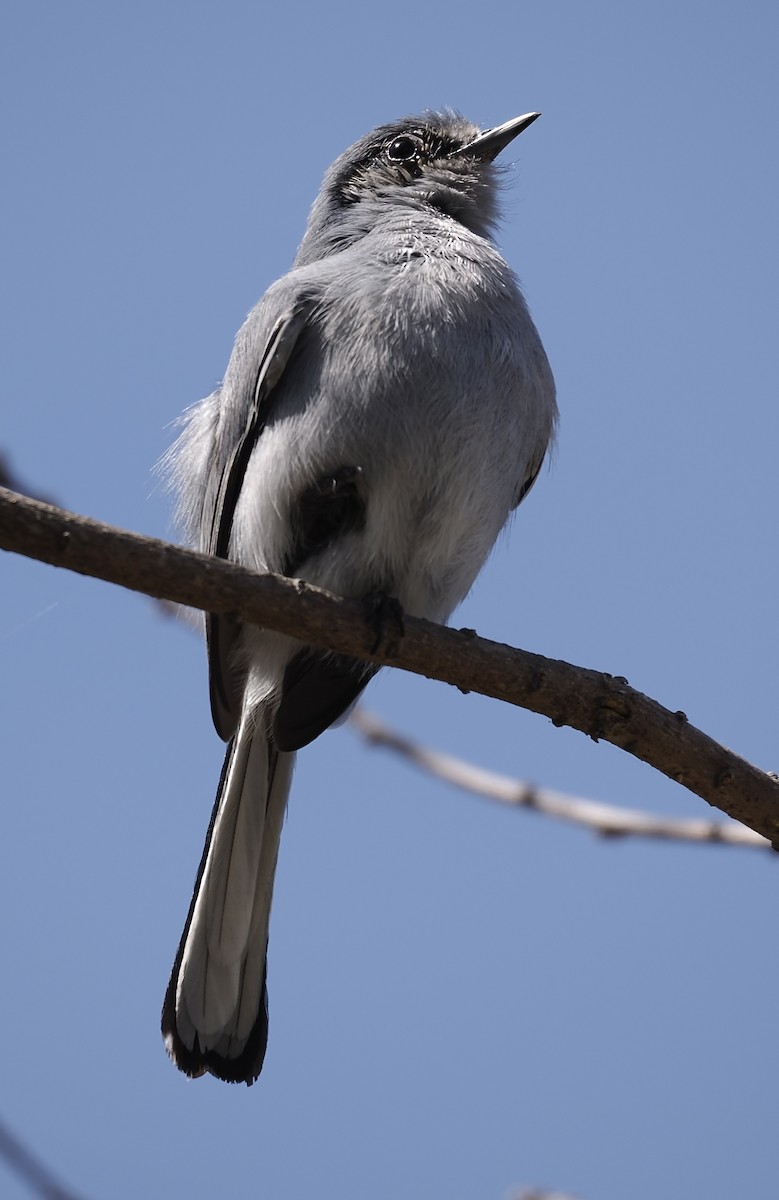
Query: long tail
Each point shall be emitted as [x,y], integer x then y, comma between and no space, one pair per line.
[215,1015]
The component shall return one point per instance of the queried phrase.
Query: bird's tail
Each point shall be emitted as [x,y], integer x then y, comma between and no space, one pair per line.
[215,1015]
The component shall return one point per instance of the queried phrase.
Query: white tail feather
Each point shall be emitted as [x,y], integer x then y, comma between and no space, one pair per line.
[221,978]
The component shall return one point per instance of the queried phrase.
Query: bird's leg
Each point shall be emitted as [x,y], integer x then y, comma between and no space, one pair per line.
[386,614]
[329,508]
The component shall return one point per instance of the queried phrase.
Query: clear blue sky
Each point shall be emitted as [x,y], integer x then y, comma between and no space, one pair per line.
[463,1000]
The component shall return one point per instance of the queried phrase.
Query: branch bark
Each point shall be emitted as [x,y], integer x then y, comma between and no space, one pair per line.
[607,820]
[601,706]
[28,1167]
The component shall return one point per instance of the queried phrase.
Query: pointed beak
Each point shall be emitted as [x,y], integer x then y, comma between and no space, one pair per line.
[489,144]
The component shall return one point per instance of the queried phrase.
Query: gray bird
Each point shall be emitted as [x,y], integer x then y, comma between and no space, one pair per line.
[387,404]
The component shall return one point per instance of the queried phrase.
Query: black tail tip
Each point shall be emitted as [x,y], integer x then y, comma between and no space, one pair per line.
[194,1062]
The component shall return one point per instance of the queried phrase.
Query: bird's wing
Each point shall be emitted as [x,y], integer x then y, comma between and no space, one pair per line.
[527,484]
[222,630]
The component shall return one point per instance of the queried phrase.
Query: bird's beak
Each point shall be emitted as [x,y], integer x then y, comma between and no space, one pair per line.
[489,144]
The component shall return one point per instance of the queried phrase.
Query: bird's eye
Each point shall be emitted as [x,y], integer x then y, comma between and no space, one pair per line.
[403,148]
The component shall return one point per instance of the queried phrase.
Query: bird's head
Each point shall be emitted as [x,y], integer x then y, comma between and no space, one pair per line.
[438,162]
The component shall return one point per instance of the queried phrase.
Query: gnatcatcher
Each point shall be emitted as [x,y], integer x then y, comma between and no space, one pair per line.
[386,405]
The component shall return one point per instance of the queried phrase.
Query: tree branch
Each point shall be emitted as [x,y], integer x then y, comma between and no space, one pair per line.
[599,705]
[608,820]
[542,1194]
[28,1167]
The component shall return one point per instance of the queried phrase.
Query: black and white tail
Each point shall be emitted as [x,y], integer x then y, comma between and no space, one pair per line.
[215,1015]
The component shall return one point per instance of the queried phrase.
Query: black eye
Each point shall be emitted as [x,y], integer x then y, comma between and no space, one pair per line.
[403,148]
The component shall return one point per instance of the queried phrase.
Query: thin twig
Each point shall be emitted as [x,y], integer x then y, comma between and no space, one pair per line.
[600,705]
[605,819]
[27,1167]
[542,1194]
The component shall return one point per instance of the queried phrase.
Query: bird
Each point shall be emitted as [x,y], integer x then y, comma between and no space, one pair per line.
[387,405]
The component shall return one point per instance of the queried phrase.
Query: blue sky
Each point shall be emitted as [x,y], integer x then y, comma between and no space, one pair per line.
[463,1000]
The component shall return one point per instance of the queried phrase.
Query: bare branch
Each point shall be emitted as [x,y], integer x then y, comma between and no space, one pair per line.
[542,1194]
[26,1166]
[600,705]
[605,819]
